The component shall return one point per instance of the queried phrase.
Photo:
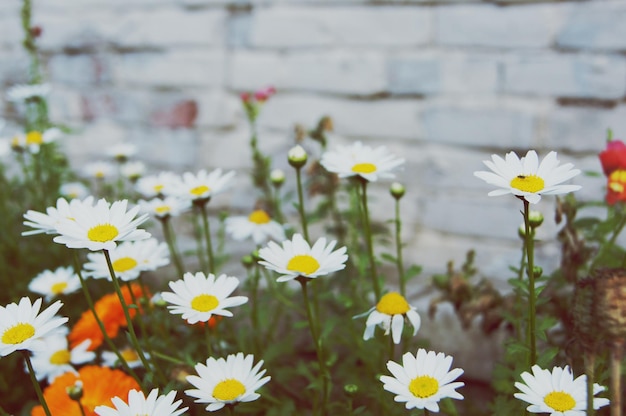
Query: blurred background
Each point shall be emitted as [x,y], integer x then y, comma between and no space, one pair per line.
[444,84]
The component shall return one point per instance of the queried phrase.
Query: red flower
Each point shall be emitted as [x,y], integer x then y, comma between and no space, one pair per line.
[264,94]
[613,161]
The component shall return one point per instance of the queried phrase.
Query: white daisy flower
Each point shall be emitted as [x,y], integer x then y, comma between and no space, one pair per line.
[128,259]
[361,160]
[526,177]
[22,326]
[557,392]
[133,170]
[48,222]
[54,283]
[99,170]
[389,314]
[101,226]
[258,226]
[33,140]
[74,190]
[296,258]
[170,206]
[198,297]
[230,381]
[156,185]
[57,359]
[122,151]
[200,186]
[109,358]
[422,380]
[23,92]
[138,404]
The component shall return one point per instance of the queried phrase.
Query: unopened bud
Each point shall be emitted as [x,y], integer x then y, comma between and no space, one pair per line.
[75,391]
[351,389]
[277,176]
[535,218]
[297,156]
[397,190]
[247,261]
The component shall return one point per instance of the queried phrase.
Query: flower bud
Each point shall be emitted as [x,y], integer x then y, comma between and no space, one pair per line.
[535,218]
[351,389]
[247,261]
[75,391]
[521,231]
[297,156]
[397,190]
[277,176]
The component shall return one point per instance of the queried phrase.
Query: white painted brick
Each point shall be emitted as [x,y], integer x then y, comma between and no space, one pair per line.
[584,129]
[384,118]
[65,105]
[79,69]
[475,123]
[175,148]
[85,145]
[76,28]
[595,25]
[340,26]
[528,26]
[442,73]
[217,108]
[180,68]
[339,72]
[171,27]
[566,75]
[11,32]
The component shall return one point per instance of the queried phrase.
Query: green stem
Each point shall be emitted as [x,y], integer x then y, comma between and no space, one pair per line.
[207,237]
[324,375]
[426,412]
[369,239]
[207,337]
[305,229]
[616,375]
[278,211]
[198,236]
[518,296]
[170,239]
[606,247]
[590,360]
[168,358]
[129,321]
[105,335]
[255,309]
[36,385]
[530,257]
[399,261]
[231,409]
[80,406]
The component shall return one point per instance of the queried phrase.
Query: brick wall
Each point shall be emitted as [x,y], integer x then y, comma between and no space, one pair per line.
[444,83]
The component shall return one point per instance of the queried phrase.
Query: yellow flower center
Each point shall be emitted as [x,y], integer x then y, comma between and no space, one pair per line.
[15,142]
[60,357]
[129,355]
[530,183]
[364,168]
[199,190]
[162,209]
[158,188]
[560,401]
[58,287]
[228,390]
[259,217]
[124,264]
[204,303]
[18,333]
[617,181]
[303,263]
[34,137]
[102,233]
[393,303]
[423,386]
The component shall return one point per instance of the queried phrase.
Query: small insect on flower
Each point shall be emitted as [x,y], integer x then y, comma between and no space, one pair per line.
[526,177]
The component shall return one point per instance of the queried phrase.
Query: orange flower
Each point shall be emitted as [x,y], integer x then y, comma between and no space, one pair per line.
[100,385]
[109,310]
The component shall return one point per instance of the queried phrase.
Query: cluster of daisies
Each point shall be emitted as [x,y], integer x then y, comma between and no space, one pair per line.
[119,249]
